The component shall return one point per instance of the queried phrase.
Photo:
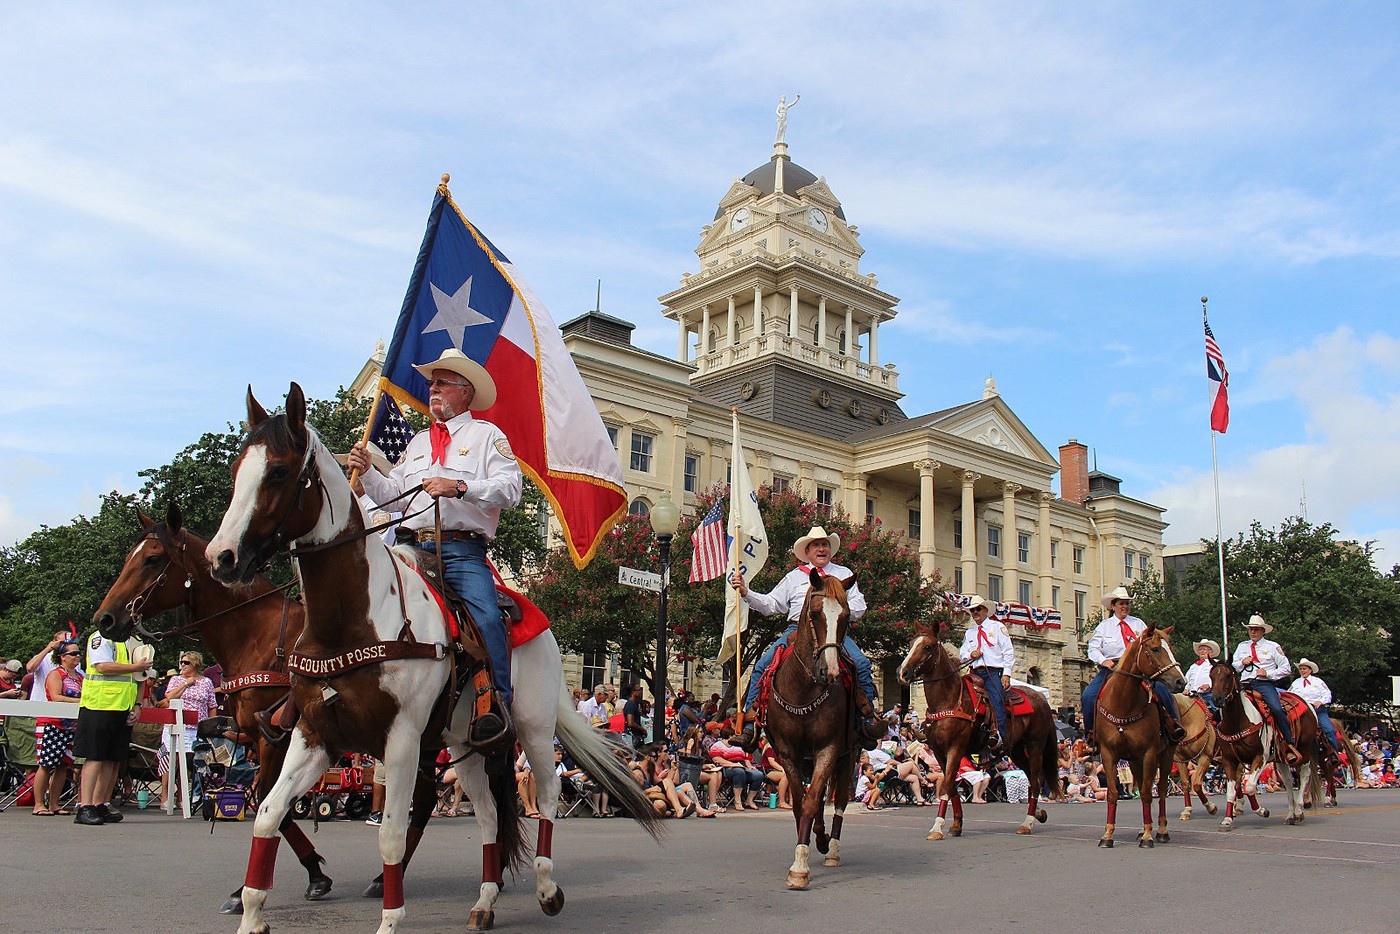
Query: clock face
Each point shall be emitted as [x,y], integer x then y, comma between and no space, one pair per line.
[816,219]
[740,220]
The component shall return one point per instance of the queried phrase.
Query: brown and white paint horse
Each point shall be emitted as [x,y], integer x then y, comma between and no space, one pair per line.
[953,729]
[359,594]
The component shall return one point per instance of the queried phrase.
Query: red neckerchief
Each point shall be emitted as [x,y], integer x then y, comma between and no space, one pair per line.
[1126,631]
[983,638]
[808,569]
[441,436]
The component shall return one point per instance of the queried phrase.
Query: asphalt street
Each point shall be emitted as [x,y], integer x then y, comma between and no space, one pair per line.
[1338,870]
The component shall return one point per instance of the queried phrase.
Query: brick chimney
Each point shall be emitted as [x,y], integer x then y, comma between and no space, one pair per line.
[1074,472]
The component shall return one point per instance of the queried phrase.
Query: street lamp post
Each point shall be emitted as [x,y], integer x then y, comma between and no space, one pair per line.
[665,517]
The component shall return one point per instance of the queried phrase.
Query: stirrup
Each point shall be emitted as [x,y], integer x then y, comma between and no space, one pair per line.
[270,731]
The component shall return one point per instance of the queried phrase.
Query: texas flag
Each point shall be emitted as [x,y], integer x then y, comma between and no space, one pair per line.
[465,293]
[1219,381]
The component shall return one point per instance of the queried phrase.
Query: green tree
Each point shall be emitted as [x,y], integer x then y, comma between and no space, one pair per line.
[1323,596]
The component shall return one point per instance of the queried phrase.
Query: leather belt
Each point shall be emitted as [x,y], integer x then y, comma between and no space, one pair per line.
[427,536]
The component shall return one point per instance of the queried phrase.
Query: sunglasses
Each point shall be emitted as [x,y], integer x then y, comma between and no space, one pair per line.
[439,383]
[66,654]
[187,661]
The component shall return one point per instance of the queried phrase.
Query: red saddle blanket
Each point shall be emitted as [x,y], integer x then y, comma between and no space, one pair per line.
[1293,705]
[1020,702]
[531,623]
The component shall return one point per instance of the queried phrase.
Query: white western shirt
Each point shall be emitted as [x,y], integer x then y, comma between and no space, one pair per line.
[1106,644]
[791,592]
[1198,677]
[995,643]
[1312,689]
[477,453]
[1271,666]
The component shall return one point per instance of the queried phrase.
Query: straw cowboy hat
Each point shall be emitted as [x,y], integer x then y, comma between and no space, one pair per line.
[1210,644]
[467,368]
[1257,620]
[1310,663]
[376,456]
[1119,593]
[976,600]
[799,548]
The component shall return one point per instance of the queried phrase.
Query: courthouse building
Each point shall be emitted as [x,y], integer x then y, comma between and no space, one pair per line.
[781,322]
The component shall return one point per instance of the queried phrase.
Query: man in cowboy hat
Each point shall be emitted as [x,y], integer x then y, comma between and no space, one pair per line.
[1315,691]
[1198,675]
[987,646]
[466,464]
[1261,663]
[813,550]
[1110,640]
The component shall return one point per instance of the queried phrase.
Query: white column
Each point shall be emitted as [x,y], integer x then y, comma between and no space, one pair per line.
[874,345]
[683,350]
[792,312]
[969,533]
[757,309]
[1010,559]
[928,553]
[1042,532]
[821,323]
[704,330]
[733,326]
[850,333]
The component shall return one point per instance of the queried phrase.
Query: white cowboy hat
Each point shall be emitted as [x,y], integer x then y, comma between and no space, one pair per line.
[1257,620]
[376,456]
[1119,593]
[799,548]
[1210,644]
[467,368]
[1309,662]
[976,600]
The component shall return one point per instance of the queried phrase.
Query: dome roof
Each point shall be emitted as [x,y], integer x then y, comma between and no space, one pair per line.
[765,179]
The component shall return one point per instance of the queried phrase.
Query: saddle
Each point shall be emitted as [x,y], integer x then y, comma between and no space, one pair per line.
[1018,703]
[1293,705]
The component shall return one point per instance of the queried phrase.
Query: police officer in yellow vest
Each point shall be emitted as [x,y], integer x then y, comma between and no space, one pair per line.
[103,734]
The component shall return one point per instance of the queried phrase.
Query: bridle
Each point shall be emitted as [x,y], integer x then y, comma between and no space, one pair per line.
[1139,675]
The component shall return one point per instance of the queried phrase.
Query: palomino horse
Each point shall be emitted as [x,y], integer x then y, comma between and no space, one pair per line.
[954,730]
[1247,740]
[811,722]
[244,627]
[1127,726]
[373,672]
[1195,753]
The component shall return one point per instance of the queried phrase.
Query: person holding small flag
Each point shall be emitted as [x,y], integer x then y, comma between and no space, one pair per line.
[813,552]
[466,464]
[1110,640]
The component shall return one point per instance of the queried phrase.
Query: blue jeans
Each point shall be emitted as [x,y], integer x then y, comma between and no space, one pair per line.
[863,676]
[996,696]
[1328,727]
[1269,692]
[744,778]
[464,566]
[1090,698]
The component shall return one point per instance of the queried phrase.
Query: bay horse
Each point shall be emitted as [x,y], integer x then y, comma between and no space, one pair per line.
[811,722]
[373,672]
[955,729]
[1128,727]
[1248,740]
[1196,752]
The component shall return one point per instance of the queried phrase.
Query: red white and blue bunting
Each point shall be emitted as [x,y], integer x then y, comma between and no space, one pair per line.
[1033,617]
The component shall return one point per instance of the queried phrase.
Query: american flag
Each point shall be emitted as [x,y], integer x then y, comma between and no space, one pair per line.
[1219,381]
[711,548]
[391,431]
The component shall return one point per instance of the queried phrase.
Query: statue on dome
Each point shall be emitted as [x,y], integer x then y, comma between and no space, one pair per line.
[783,106]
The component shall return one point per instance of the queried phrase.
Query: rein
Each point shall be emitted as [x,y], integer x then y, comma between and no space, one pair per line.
[955,672]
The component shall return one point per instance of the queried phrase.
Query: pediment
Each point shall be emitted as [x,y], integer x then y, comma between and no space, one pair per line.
[992,423]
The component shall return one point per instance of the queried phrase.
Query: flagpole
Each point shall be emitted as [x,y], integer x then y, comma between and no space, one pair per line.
[734,467]
[369,423]
[1219,538]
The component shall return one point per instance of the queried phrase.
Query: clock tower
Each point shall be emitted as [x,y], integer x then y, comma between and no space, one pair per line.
[779,321]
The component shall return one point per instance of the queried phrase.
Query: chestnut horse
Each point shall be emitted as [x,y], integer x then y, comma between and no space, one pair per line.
[953,730]
[373,672]
[811,722]
[1128,726]
[1195,753]
[1248,740]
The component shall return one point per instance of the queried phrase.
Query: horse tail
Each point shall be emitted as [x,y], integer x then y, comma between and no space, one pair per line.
[1315,779]
[598,758]
[510,837]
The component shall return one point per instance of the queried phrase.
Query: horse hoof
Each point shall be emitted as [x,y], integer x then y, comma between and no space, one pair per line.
[374,890]
[318,889]
[1211,808]
[1106,844]
[481,919]
[1146,843]
[552,906]
[1040,815]
[1185,815]
[1163,837]
[1023,830]
[957,831]
[823,843]
[231,906]
[1307,805]
[798,880]
[1226,828]
[932,835]
[1264,813]
[831,862]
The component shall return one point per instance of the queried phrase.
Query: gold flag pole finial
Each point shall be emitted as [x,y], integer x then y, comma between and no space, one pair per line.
[442,187]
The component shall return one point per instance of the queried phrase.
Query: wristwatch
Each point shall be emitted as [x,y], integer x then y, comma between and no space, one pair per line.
[461,488]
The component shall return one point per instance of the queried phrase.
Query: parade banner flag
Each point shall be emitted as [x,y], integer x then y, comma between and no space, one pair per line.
[748,544]
[708,543]
[1219,381]
[465,293]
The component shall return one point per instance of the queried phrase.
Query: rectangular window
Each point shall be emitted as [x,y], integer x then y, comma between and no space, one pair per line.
[994,588]
[641,452]
[1025,593]
[1054,598]
[1127,565]
[916,523]
[1023,548]
[1054,553]
[595,670]
[1080,599]
[825,497]
[612,435]
[993,542]
[869,510]
[781,484]
[1078,559]
[957,580]
[1142,565]
[692,473]
[957,533]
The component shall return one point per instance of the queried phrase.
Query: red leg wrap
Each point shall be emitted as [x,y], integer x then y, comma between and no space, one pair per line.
[411,843]
[545,846]
[261,861]
[297,839]
[1031,803]
[393,885]
[491,863]
[942,807]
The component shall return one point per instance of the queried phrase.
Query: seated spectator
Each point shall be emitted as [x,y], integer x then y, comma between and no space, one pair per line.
[525,784]
[711,775]
[868,791]
[738,768]
[898,766]
[1015,781]
[773,771]
[976,778]
[452,781]
[659,771]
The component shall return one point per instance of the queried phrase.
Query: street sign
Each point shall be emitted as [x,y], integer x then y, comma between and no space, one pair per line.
[644,580]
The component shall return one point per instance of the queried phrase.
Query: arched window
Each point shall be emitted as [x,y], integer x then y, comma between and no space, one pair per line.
[639,507]
[712,341]
[1033,676]
[841,341]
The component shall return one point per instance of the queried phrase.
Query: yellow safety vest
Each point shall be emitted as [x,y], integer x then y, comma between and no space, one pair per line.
[107,692]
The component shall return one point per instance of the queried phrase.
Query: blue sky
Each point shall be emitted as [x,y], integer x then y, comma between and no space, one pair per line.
[196,198]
